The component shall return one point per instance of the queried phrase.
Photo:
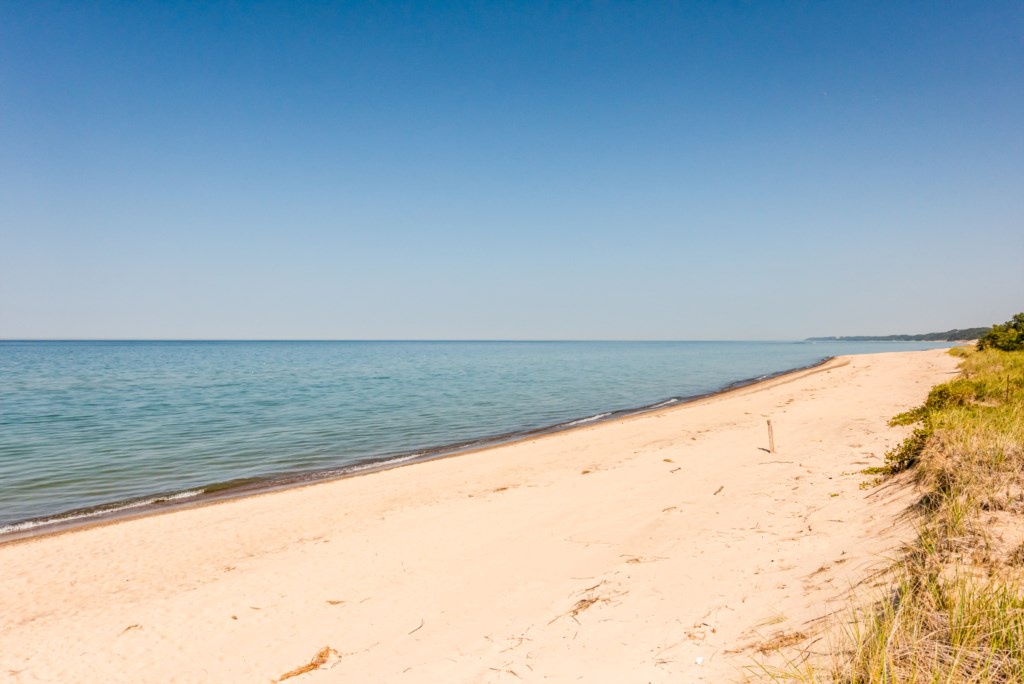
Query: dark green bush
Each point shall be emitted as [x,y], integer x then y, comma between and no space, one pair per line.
[1008,336]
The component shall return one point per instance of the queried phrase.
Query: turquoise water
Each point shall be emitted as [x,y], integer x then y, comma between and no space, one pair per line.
[91,427]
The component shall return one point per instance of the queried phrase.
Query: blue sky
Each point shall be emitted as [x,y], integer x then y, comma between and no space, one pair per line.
[509,170]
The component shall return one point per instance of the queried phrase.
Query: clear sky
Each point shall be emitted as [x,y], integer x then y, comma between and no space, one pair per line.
[656,170]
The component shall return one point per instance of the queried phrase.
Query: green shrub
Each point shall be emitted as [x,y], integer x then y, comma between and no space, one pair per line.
[1008,336]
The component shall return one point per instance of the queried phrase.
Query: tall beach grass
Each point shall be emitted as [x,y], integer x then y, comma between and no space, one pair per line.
[953,609]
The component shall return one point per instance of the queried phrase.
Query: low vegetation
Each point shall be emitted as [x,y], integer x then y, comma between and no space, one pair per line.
[954,611]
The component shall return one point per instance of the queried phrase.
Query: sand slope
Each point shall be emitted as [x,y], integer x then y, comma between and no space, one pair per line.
[619,552]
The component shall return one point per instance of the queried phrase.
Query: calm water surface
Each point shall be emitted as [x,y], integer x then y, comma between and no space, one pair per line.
[116,425]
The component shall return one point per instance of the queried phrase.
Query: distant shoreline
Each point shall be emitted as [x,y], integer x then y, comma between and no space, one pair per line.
[965,335]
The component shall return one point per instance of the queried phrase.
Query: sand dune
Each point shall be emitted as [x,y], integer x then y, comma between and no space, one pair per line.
[669,546]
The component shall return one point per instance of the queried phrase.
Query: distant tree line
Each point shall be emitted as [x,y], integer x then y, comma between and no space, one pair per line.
[948,336]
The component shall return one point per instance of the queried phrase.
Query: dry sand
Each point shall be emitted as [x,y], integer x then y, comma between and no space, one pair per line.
[618,552]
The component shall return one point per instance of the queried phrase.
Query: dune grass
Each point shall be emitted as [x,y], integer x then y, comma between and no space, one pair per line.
[954,610]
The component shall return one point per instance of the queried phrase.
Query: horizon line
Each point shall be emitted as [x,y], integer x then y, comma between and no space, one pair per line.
[370,339]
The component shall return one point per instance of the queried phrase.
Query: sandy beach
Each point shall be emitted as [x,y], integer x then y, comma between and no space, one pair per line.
[668,546]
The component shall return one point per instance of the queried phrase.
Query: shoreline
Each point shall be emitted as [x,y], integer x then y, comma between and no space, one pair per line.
[665,546]
[217,492]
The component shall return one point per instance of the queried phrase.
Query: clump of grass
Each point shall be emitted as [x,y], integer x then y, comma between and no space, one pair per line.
[959,392]
[960,351]
[904,455]
[936,627]
[955,609]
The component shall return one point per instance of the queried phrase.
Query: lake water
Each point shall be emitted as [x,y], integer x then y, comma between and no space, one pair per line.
[91,428]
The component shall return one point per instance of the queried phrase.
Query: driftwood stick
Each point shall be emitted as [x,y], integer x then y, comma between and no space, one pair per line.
[771,438]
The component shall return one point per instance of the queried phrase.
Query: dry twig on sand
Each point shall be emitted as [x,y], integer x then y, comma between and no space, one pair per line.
[318,661]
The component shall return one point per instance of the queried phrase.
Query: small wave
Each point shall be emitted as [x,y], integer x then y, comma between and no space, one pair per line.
[179,496]
[96,512]
[591,419]
[381,464]
[668,402]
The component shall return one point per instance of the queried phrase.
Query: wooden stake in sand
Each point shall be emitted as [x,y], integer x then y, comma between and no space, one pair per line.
[771,438]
